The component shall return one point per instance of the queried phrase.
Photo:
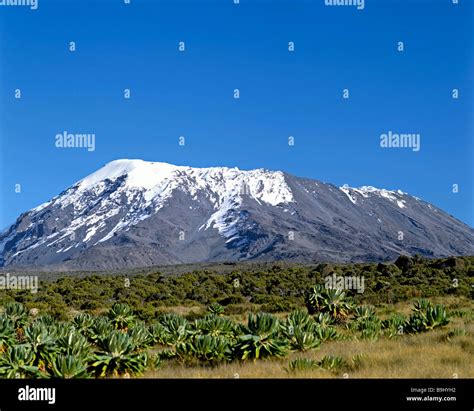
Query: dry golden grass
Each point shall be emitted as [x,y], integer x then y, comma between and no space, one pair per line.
[425,355]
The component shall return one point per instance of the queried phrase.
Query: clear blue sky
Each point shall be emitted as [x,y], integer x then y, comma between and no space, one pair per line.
[245,46]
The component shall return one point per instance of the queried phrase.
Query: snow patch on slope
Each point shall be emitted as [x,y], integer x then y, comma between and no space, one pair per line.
[345,189]
[367,191]
[261,185]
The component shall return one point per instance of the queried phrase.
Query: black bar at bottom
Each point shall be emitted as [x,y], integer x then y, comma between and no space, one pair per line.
[136,394]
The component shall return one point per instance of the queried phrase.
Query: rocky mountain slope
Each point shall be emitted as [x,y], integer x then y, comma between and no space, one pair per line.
[133,213]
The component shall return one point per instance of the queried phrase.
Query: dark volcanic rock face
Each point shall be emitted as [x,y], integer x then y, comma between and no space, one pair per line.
[132,213]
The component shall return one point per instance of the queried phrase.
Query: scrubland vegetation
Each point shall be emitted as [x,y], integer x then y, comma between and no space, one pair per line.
[414,319]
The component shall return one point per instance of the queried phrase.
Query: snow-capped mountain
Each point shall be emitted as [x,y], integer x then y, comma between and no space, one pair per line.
[133,213]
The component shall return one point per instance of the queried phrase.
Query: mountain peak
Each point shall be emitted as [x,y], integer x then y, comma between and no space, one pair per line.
[132,213]
[155,177]
[140,173]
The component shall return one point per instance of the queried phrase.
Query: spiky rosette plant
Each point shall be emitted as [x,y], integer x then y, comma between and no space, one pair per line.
[100,329]
[214,326]
[302,364]
[159,334]
[394,326]
[366,321]
[425,317]
[18,362]
[456,332]
[166,354]
[7,333]
[298,319]
[337,304]
[60,330]
[121,316]
[118,356]
[208,348]
[69,366]
[83,322]
[261,338]
[176,329]
[141,336]
[329,300]
[364,312]
[300,331]
[41,344]
[416,323]
[17,313]
[323,319]
[302,340]
[327,333]
[74,344]
[155,362]
[315,299]
[332,363]
[216,309]
[45,319]
[370,329]
[436,317]
[421,305]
